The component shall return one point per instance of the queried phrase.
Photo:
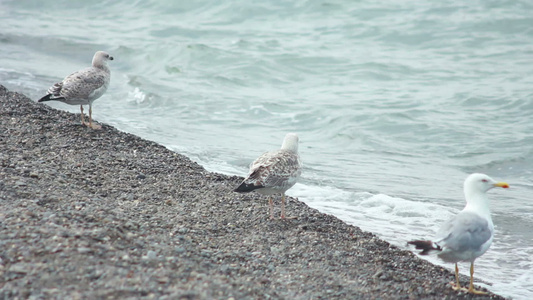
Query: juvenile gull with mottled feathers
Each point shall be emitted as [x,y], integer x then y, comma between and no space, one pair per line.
[274,172]
[84,86]
[469,234]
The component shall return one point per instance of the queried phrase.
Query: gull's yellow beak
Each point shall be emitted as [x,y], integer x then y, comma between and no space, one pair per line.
[502,185]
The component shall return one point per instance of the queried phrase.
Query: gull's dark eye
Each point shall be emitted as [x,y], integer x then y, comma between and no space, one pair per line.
[484,180]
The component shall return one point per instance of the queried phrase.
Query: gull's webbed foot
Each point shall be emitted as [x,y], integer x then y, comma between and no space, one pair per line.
[456,287]
[472,290]
[94,126]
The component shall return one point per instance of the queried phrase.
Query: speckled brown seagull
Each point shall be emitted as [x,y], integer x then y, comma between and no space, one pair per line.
[469,234]
[274,172]
[83,87]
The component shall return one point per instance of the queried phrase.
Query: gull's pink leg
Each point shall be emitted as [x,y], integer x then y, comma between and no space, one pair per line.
[283,208]
[93,126]
[82,116]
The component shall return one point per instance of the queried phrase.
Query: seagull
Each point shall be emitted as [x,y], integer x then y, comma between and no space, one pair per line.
[83,87]
[469,234]
[274,172]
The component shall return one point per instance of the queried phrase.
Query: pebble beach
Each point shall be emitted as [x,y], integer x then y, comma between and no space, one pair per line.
[103,214]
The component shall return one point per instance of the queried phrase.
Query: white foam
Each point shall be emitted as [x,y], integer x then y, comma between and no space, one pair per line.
[136,96]
[395,219]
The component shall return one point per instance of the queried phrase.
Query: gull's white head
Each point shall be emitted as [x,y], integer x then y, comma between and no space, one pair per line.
[480,183]
[290,142]
[100,59]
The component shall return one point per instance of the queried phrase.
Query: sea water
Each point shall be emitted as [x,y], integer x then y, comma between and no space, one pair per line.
[395,102]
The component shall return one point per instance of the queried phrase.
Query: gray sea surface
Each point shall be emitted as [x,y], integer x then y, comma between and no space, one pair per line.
[395,102]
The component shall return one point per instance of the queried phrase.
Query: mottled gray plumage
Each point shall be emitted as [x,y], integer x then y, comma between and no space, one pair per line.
[275,171]
[84,86]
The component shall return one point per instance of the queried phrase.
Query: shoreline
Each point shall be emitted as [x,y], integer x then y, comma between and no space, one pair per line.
[106,214]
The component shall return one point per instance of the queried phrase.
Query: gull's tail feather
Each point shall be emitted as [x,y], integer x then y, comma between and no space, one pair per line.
[425,246]
[50,97]
[246,187]
[45,98]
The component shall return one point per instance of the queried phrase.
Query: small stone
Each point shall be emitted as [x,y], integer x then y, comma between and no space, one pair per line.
[19,268]
[84,250]
[378,273]
[225,269]
[163,279]
[151,255]
[264,280]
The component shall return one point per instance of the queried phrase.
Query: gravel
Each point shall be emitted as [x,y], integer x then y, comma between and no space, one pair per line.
[105,214]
